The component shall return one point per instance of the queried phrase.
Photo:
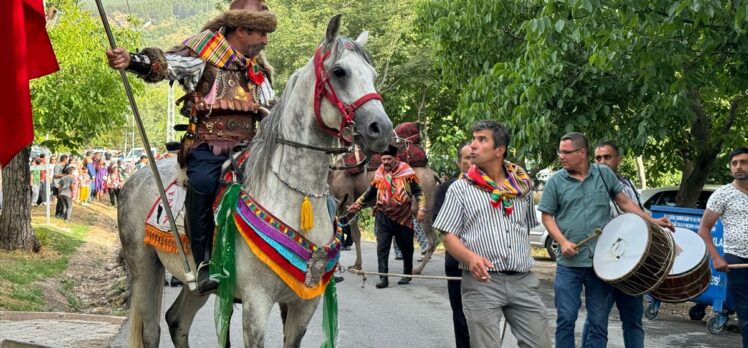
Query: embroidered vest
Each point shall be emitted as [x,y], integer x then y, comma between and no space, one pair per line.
[222,109]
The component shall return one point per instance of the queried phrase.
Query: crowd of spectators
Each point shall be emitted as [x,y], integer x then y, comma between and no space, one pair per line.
[96,177]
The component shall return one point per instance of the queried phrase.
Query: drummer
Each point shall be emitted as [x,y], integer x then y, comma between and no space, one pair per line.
[630,308]
[576,201]
[730,203]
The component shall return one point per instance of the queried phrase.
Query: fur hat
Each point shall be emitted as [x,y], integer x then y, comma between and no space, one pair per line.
[249,14]
[391,151]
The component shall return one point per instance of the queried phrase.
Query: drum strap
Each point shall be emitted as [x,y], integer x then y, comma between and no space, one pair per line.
[636,195]
[612,198]
[607,189]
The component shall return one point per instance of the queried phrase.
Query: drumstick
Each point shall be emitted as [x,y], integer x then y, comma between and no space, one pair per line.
[595,233]
[738,265]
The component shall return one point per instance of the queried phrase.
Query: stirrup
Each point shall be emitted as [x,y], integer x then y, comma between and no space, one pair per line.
[205,284]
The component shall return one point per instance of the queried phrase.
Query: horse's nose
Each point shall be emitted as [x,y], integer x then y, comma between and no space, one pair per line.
[374,130]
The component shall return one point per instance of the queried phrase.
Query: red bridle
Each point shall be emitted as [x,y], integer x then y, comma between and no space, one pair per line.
[323,88]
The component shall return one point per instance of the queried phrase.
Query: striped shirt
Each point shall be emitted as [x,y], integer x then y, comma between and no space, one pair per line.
[487,231]
[630,191]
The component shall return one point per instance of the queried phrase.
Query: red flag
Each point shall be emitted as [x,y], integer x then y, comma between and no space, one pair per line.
[27,54]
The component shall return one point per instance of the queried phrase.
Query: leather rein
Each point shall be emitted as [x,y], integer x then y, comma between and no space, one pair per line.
[323,89]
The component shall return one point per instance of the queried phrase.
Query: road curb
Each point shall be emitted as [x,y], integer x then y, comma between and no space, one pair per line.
[6,343]
[19,316]
[50,329]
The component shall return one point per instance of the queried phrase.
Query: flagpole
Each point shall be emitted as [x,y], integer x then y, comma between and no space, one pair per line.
[188,273]
[48,175]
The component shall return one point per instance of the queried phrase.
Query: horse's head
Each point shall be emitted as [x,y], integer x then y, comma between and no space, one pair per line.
[346,102]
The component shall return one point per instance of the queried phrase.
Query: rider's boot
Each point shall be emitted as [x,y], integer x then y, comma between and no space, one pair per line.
[200,225]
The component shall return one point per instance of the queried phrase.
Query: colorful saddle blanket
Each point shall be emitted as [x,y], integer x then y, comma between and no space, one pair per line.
[157,229]
[304,267]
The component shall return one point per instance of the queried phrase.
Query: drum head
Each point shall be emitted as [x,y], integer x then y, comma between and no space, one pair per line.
[689,252]
[621,247]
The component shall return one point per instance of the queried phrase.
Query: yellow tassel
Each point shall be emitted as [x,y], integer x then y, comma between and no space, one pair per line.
[307,215]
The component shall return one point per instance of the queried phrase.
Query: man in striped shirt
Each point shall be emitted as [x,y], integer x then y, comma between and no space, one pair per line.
[485,222]
[630,308]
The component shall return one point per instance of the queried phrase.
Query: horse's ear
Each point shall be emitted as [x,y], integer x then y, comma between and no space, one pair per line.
[363,38]
[333,28]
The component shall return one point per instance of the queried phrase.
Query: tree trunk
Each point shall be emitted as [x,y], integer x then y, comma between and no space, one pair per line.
[642,172]
[699,163]
[15,219]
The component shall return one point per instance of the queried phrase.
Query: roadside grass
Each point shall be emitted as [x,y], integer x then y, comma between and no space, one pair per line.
[20,270]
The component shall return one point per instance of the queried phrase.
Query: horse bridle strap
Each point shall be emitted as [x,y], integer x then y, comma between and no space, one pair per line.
[323,88]
[351,166]
[330,150]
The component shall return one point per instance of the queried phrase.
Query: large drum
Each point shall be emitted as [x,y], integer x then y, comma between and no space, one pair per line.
[633,254]
[690,274]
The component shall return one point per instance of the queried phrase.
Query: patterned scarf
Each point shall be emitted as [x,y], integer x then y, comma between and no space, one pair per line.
[517,184]
[214,49]
[391,186]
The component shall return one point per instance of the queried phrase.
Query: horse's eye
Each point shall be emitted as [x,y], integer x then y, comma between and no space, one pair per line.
[338,71]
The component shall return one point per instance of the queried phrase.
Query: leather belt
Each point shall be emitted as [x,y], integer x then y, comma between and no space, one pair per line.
[510,273]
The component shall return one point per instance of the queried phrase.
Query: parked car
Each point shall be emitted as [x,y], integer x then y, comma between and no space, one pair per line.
[540,238]
[134,155]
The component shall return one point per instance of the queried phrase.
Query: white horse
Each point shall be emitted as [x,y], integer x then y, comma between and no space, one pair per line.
[287,157]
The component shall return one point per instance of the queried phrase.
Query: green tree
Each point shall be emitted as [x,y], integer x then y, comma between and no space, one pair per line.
[84,98]
[666,79]
[70,108]
[408,80]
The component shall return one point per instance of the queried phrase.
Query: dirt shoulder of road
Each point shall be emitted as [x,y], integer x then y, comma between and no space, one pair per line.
[94,281]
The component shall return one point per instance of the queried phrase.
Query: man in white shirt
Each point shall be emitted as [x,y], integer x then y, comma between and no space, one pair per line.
[730,203]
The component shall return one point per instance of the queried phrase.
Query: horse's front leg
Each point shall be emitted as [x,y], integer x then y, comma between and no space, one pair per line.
[180,315]
[356,235]
[431,237]
[256,306]
[300,313]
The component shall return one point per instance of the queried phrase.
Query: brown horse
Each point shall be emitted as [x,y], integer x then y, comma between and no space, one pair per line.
[342,184]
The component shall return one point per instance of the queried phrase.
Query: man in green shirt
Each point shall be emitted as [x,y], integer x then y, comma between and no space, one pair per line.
[575,201]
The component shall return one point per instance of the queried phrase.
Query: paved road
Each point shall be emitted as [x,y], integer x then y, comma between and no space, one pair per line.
[418,315]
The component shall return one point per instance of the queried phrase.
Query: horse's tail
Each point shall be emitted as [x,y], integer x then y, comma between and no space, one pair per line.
[137,319]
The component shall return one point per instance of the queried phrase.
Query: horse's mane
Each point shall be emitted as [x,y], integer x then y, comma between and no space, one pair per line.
[264,144]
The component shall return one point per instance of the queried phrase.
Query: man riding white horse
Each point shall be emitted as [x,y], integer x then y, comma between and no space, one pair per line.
[227,85]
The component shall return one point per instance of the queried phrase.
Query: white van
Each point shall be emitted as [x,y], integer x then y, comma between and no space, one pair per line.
[134,155]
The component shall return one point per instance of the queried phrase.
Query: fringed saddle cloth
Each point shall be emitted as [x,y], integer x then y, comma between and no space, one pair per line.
[305,267]
[157,229]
